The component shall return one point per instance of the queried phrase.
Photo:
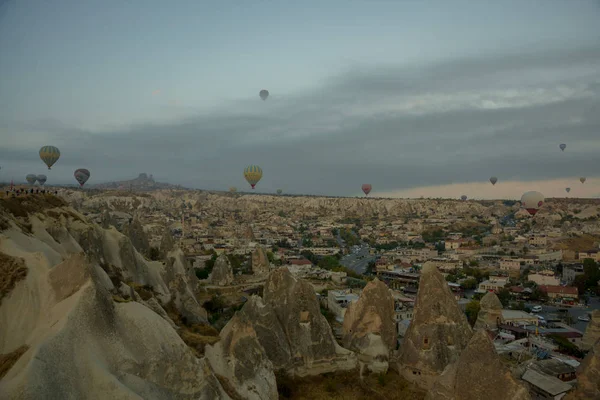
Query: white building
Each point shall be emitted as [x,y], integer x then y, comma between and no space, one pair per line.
[339,300]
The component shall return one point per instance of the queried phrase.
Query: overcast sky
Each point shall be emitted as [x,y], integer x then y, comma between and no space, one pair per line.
[429,97]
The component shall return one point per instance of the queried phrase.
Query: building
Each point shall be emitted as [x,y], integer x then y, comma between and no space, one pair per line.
[444,264]
[555,368]
[593,254]
[568,294]
[339,300]
[510,264]
[322,251]
[518,318]
[453,244]
[398,278]
[494,284]
[543,279]
[553,256]
[570,272]
[542,386]
[538,240]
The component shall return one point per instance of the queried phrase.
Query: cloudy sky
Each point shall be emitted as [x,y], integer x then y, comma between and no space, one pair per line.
[416,97]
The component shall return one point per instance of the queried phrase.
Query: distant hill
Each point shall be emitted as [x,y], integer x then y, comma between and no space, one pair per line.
[143,182]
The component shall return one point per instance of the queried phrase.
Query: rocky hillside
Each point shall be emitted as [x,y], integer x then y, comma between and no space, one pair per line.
[84,313]
[307,207]
[86,316]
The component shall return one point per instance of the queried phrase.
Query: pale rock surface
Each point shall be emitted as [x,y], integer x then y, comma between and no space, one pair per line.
[439,331]
[155,306]
[240,358]
[588,376]
[312,345]
[183,286]
[592,331]
[85,346]
[139,239]
[222,273]
[490,312]
[260,261]
[167,243]
[369,327]
[478,374]
[82,344]
[269,331]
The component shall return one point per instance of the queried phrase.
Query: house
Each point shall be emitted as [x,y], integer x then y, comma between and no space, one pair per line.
[300,261]
[593,254]
[444,264]
[453,244]
[518,318]
[339,300]
[520,292]
[543,279]
[555,368]
[494,284]
[560,293]
[543,386]
[570,272]
[538,240]
[510,264]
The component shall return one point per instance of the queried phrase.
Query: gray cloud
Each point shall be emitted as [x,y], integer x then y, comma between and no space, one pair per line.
[452,122]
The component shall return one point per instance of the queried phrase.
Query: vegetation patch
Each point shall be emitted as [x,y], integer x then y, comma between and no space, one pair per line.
[8,360]
[22,206]
[12,270]
[144,291]
[120,299]
[195,336]
[347,385]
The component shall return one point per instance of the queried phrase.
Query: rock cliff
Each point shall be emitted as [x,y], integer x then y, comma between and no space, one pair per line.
[369,327]
[135,232]
[588,376]
[83,314]
[592,331]
[240,359]
[439,331]
[490,312]
[478,374]
[260,261]
[222,273]
[313,348]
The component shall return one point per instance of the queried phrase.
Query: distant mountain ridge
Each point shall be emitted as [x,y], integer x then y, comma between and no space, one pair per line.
[143,182]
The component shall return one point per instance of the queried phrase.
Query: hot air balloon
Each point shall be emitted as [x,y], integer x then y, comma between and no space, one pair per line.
[233,189]
[562,146]
[81,175]
[493,179]
[264,94]
[366,188]
[532,201]
[31,178]
[49,155]
[42,179]
[279,191]
[567,190]
[582,179]
[463,197]
[253,173]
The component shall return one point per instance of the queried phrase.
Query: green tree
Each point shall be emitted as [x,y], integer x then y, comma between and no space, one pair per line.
[451,278]
[270,256]
[504,297]
[469,284]
[154,254]
[307,242]
[328,262]
[472,310]
[209,264]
